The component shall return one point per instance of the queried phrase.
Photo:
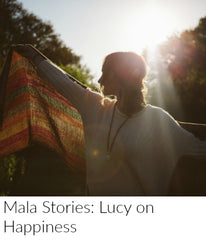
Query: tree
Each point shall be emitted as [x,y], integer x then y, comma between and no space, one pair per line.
[200,32]
[17,25]
[183,57]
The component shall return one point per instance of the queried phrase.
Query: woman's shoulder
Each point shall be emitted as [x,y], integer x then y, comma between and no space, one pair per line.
[158,113]
[96,99]
[157,110]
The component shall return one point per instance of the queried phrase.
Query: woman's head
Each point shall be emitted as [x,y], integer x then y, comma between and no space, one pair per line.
[123,71]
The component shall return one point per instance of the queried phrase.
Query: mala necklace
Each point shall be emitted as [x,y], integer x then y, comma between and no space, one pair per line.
[110,146]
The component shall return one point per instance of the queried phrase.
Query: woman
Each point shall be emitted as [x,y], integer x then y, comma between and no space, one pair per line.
[131,147]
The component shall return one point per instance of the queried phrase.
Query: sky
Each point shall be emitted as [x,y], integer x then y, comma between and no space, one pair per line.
[95,28]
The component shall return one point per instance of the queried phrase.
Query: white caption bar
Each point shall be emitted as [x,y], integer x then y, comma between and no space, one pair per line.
[102,218]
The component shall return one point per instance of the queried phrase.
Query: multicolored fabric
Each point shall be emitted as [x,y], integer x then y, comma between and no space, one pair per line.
[33,111]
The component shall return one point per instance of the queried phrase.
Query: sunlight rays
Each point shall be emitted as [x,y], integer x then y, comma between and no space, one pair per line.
[161,90]
[146,31]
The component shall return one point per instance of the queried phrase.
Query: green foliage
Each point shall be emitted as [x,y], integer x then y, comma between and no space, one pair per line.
[183,57]
[200,32]
[81,73]
[17,25]
[11,170]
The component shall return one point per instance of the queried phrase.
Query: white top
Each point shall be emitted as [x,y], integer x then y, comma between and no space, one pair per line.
[145,151]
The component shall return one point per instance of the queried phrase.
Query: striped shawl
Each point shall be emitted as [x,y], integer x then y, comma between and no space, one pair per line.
[32,111]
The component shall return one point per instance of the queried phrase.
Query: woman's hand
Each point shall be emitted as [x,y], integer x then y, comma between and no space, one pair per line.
[29,52]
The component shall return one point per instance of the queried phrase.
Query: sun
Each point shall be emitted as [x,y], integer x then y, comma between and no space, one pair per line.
[150,28]
[155,27]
